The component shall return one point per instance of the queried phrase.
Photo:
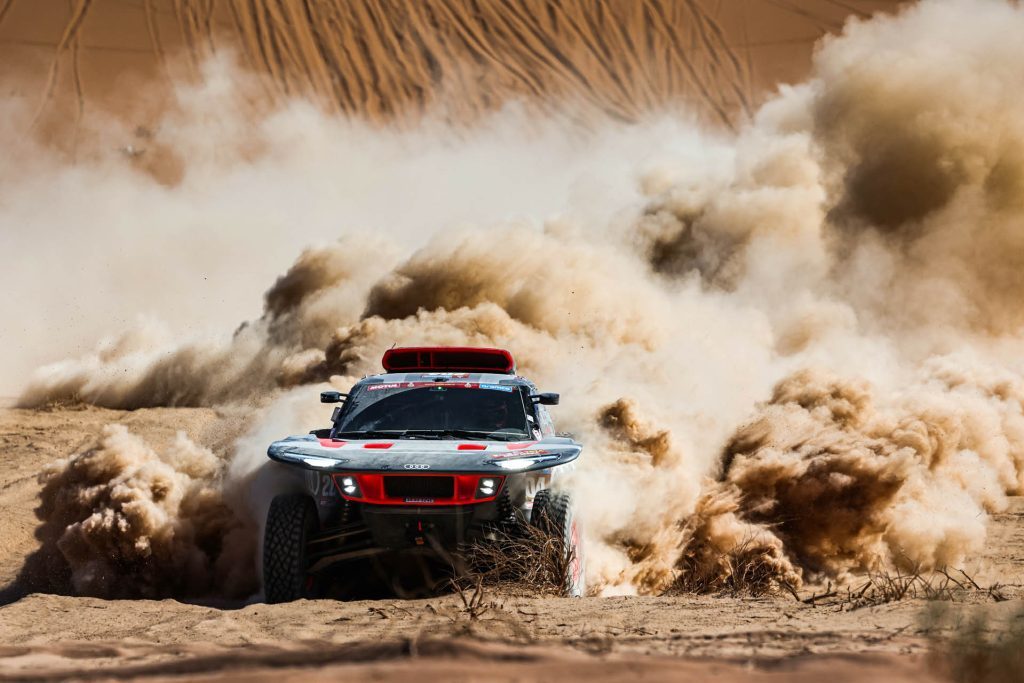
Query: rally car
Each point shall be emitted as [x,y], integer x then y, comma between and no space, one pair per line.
[448,447]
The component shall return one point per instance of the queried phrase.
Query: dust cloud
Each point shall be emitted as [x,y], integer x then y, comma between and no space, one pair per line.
[122,520]
[791,353]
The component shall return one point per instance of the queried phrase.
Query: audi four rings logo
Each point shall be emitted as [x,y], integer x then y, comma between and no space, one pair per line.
[417,467]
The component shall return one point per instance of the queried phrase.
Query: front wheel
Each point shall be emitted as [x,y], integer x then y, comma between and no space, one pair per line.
[554,514]
[290,522]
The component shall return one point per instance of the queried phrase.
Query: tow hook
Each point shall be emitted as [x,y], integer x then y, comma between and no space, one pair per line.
[418,534]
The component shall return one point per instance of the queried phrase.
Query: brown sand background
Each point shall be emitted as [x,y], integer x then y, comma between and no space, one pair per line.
[391,63]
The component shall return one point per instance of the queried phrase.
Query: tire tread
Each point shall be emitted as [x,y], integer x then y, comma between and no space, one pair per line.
[288,522]
[552,513]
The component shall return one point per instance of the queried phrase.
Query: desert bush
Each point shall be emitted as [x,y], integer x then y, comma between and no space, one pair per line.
[977,647]
[882,587]
[525,559]
[745,569]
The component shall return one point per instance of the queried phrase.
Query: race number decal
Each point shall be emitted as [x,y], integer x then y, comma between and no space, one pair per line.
[321,487]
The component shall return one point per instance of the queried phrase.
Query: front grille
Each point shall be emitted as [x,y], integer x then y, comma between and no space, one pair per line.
[419,487]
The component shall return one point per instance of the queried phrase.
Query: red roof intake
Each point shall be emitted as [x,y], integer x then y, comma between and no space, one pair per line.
[449,359]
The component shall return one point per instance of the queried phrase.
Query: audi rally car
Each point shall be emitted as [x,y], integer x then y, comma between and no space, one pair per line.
[448,447]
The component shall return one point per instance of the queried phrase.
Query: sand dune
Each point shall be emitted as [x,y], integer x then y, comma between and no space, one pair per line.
[393,60]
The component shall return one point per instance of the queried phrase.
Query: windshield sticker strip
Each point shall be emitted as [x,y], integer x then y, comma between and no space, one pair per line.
[497,387]
[448,385]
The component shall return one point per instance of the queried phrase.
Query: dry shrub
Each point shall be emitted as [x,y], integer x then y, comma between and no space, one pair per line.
[473,600]
[72,401]
[978,649]
[883,587]
[744,569]
[527,560]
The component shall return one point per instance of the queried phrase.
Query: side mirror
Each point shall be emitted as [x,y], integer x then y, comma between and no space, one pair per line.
[547,399]
[332,397]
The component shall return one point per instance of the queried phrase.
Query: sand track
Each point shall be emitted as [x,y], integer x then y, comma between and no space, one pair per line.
[460,657]
[457,658]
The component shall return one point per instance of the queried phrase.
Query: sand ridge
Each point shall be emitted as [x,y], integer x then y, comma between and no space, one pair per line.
[394,61]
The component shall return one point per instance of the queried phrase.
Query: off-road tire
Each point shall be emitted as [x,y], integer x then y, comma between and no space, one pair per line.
[290,521]
[553,514]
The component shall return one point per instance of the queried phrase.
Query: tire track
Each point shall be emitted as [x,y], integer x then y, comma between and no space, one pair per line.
[69,34]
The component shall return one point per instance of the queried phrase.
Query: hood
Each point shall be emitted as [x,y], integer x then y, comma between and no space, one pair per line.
[448,455]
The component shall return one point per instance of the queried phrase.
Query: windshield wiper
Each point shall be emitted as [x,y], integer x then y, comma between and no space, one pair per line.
[382,434]
[466,434]
[428,434]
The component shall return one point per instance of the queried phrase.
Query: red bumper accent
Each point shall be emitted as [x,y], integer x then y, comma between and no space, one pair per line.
[466,485]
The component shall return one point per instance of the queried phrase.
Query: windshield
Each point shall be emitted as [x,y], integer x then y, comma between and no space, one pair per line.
[482,411]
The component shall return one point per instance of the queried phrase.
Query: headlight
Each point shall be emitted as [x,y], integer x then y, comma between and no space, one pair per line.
[314,461]
[487,486]
[525,459]
[349,485]
[516,463]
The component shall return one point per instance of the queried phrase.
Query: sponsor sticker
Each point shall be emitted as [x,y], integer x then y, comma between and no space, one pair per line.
[518,454]
[378,387]
[497,387]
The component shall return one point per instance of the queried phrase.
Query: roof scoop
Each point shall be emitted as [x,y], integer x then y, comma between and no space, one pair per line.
[449,359]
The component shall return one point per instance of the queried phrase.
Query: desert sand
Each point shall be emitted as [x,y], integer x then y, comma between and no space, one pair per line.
[56,637]
[792,349]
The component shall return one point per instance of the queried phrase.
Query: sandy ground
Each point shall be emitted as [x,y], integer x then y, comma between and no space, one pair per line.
[516,638]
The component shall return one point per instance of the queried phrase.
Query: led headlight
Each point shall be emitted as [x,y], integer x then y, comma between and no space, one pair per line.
[487,486]
[349,486]
[525,460]
[314,461]
[515,464]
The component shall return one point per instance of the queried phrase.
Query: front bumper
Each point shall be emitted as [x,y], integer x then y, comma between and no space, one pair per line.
[447,527]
